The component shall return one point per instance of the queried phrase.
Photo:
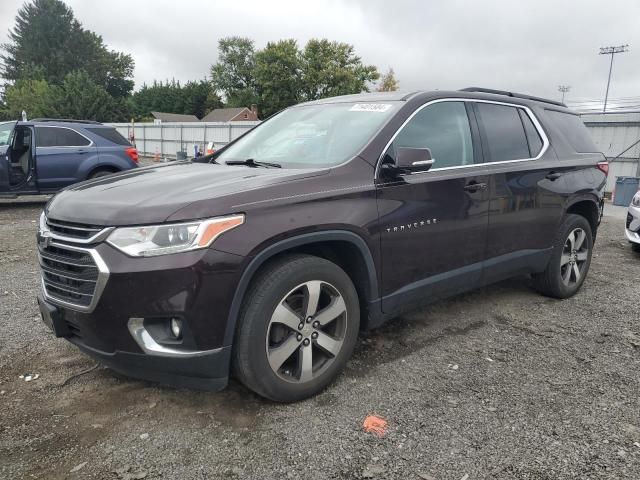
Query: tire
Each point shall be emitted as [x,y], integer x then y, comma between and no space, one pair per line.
[560,280]
[635,247]
[99,173]
[273,323]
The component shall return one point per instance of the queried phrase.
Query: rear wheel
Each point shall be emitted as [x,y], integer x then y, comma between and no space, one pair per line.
[570,260]
[298,328]
[635,247]
[100,173]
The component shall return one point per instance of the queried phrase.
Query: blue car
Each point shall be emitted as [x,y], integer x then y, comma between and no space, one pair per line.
[42,156]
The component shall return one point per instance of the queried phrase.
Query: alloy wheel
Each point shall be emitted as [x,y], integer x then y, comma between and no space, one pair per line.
[306,331]
[575,254]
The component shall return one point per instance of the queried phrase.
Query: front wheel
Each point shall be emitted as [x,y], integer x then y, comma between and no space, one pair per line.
[298,328]
[570,260]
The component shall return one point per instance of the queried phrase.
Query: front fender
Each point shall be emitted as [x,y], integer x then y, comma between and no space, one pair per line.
[287,244]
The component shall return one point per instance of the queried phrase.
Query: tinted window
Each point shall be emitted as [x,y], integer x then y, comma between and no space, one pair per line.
[59,137]
[533,137]
[573,130]
[444,128]
[5,132]
[110,134]
[504,132]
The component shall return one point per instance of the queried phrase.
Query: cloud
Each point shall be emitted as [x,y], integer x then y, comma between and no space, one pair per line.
[528,46]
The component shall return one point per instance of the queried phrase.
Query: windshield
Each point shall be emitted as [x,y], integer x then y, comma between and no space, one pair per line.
[5,132]
[311,136]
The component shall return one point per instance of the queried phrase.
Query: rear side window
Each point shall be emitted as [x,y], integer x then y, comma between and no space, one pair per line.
[59,137]
[504,132]
[573,131]
[110,134]
[533,137]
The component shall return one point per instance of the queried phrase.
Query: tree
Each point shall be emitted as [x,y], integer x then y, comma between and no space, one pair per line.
[233,75]
[48,39]
[388,82]
[80,97]
[278,76]
[194,98]
[332,68]
[35,97]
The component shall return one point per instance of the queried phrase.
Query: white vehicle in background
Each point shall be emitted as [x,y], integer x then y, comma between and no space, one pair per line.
[632,230]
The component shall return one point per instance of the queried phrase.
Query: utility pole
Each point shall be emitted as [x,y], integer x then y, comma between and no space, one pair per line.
[611,51]
[563,89]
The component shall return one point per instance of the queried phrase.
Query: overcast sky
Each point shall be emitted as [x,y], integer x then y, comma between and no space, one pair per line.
[513,45]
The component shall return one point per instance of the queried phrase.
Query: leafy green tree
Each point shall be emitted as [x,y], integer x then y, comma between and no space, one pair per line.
[332,68]
[388,82]
[49,40]
[194,98]
[35,97]
[80,97]
[234,75]
[278,76]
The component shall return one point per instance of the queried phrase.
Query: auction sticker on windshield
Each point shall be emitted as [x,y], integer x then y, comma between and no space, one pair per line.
[370,107]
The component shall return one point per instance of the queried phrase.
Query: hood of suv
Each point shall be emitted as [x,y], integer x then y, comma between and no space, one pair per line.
[151,195]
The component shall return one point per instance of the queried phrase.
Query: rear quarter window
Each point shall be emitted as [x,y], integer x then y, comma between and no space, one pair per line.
[110,134]
[573,130]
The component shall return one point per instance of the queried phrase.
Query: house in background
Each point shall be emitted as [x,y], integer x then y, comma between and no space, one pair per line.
[241,114]
[162,117]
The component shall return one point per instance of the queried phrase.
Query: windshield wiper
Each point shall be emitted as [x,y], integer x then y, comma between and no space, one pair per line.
[250,162]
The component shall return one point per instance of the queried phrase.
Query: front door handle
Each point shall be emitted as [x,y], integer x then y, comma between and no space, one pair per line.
[474,187]
[553,176]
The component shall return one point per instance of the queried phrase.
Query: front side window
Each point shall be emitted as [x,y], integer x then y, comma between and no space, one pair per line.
[6,129]
[444,129]
[59,137]
[504,132]
[311,135]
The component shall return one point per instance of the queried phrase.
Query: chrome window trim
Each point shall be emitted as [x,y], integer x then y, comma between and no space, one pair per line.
[91,144]
[534,119]
[101,282]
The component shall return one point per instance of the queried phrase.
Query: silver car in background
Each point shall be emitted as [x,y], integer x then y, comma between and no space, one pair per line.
[632,230]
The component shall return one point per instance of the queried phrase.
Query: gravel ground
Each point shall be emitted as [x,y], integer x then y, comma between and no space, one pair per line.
[500,383]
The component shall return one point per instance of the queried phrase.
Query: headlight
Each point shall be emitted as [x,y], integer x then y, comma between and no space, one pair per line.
[635,201]
[148,241]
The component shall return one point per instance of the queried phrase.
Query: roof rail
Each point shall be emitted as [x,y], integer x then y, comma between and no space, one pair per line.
[64,120]
[511,94]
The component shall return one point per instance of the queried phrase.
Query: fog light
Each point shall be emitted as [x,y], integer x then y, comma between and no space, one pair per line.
[176,327]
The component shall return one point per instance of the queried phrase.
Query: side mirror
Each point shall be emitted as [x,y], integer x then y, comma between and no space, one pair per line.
[413,160]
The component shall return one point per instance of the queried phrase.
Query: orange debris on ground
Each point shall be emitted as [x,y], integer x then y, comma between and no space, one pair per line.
[376,425]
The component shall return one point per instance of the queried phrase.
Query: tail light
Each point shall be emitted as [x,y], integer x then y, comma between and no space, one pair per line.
[603,167]
[133,153]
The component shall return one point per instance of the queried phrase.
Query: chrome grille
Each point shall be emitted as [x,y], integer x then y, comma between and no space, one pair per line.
[73,231]
[71,276]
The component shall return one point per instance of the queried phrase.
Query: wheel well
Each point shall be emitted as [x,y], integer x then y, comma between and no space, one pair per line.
[348,257]
[103,168]
[588,210]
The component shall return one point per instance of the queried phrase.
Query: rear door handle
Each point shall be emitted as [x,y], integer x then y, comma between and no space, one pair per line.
[553,176]
[475,186]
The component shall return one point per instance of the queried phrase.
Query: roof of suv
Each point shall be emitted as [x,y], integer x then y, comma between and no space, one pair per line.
[471,92]
[62,122]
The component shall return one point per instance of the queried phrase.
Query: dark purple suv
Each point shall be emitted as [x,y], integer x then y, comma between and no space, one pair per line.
[267,258]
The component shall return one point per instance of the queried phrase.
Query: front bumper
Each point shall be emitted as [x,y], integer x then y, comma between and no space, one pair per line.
[197,287]
[632,225]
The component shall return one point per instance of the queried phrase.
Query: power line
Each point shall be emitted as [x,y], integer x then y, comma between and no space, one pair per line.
[611,51]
